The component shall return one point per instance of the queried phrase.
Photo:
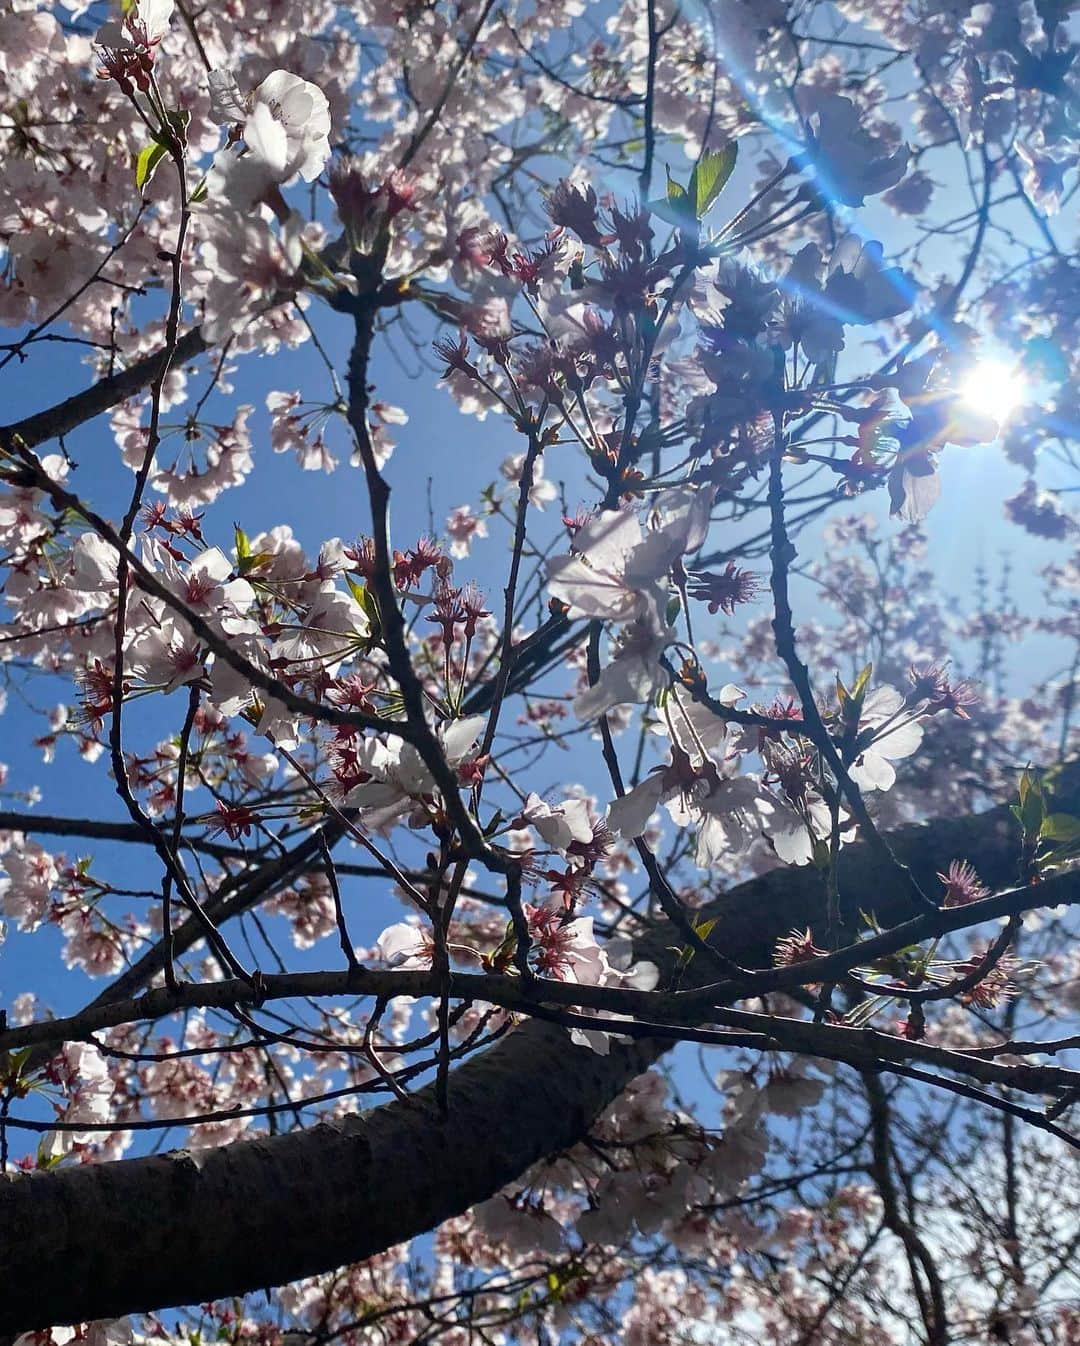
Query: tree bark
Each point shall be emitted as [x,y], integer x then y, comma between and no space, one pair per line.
[101,1240]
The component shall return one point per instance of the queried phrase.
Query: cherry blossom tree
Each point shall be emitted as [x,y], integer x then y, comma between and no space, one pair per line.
[620,887]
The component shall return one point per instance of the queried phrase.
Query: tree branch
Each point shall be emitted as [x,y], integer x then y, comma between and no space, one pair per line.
[182,1228]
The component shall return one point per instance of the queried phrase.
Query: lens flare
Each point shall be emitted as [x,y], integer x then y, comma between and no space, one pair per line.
[993,387]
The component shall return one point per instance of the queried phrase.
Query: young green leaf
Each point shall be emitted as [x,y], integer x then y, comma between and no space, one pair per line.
[702,929]
[710,175]
[146,164]
[676,193]
[1059,828]
[678,206]
[1032,810]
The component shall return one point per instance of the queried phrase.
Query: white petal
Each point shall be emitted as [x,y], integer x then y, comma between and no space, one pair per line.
[608,538]
[401,942]
[575,813]
[899,742]
[460,735]
[590,593]
[226,103]
[155,14]
[871,771]
[880,704]
[629,816]
[790,838]
[631,679]
[266,140]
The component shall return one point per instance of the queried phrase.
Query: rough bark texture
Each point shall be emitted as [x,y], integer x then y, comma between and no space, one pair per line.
[103,1240]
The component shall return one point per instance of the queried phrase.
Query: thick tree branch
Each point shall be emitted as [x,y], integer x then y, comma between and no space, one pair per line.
[102,396]
[180,1228]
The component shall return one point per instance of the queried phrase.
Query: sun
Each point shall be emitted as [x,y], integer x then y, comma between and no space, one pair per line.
[993,387]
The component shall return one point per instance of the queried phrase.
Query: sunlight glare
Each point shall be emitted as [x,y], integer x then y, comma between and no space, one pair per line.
[993,387]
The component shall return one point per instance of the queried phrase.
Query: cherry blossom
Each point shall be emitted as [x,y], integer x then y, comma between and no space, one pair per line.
[634,674]
[887,733]
[285,133]
[615,570]
[83,1068]
[463,527]
[405,946]
[850,162]
[559,824]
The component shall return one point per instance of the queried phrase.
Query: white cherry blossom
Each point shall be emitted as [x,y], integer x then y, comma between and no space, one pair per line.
[405,946]
[286,135]
[725,809]
[851,162]
[617,571]
[334,624]
[890,733]
[399,774]
[559,824]
[634,674]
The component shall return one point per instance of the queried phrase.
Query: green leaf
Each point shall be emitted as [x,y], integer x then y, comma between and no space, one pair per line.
[681,219]
[146,164]
[710,175]
[851,702]
[702,929]
[366,600]
[46,1161]
[677,208]
[850,709]
[19,1060]
[246,559]
[861,681]
[11,1068]
[676,193]
[151,155]
[1060,827]
[1032,810]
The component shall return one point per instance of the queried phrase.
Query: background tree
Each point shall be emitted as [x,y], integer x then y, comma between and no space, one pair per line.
[497,814]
